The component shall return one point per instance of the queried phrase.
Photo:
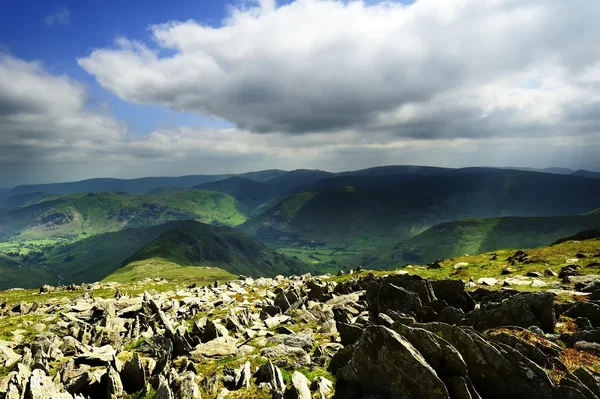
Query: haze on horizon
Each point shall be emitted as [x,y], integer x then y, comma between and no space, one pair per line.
[114,89]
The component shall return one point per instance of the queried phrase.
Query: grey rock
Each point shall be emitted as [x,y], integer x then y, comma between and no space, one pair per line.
[349,333]
[322,387]
[522,310]
[222,346]
[114,385]
[269,373]
[186,387]
[163,391]
[454,293]
[299,388]
[133,375]
[385,362]
[382,297]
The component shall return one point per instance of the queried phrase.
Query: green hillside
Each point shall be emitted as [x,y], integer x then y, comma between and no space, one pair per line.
[400,211]
[151,268]
[191,243]
[476,236]
[185,243]
[247,192]
[74,215]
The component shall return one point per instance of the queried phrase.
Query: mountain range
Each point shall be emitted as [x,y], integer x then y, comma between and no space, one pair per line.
[287,222]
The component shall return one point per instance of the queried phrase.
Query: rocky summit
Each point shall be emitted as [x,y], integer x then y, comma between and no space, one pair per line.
[360,335]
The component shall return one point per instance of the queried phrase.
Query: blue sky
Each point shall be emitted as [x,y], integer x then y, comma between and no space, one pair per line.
[258,84]
[93,24]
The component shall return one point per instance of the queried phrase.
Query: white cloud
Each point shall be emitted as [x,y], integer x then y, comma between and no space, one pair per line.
[60,16]
[324,84]
[457,68]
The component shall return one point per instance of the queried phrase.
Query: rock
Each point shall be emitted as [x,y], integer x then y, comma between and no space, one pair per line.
[115,387]
[590,347]
[98,357]
[550,273]
[299,388]
[588,380]
[46,289]
[222,346]
[272,322]
[506,271]
[489,281]
[286,355]
[186,387]
[40,386]
[349,333]
[160,348]
[281,301]
[496,370]
[213,330]
[386,363]
[271,374]
[242,377]
[534,274]
[386,296]
[589,310]
[133,375]
[522,310]
[8,357]
[322,387]
[163,391]
[303,341]
[453,292]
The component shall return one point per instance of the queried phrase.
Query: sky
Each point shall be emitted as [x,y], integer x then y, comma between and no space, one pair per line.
[163,88]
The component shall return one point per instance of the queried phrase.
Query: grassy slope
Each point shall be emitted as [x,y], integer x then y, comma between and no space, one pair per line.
[173,272]
[199,244]
[482,235]
[15,274]
[403,210]
[186,243]
[76,214]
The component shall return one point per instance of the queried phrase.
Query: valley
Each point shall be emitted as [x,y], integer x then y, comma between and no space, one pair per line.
[380,218]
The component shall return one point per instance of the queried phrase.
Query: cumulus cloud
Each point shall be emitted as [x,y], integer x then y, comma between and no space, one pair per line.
[457,68]
[324,84]
[60,16]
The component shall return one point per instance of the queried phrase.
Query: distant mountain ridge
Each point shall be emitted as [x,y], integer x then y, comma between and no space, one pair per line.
[93,213]
[408,207]
[475,236]
[136,186]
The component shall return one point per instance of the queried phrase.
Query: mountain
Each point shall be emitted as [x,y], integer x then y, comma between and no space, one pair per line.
[93,213]
[192,243]
[402,210]
[587,173]
[137,186]
[297,178]
[581,236]
[246,191]
[475,236]
[184,243]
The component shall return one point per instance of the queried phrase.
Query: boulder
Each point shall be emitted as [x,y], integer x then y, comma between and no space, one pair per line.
[522,310]
[222,346]
[299,388]
[349,333]
[454,293]
[133,375]
[385,363]
[387,296]
[269,373]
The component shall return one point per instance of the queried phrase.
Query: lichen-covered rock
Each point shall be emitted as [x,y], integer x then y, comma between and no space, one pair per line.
[384,362]
[522,310]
